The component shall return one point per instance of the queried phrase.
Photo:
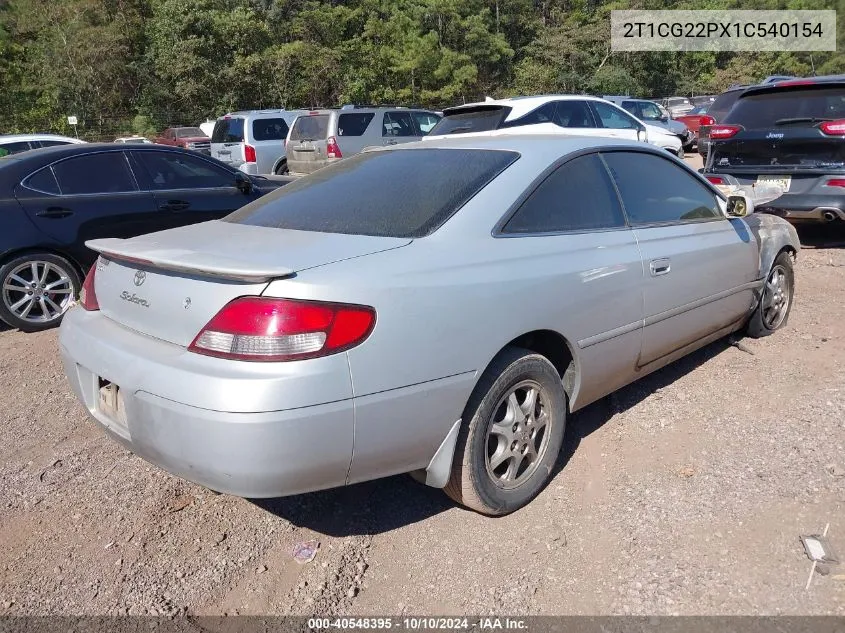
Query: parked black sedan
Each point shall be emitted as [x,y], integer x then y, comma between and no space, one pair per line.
[54,199]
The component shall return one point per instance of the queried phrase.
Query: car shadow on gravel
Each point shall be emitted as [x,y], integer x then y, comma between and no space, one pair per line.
[591,418]
[822,235]
[383,505]
[373,507]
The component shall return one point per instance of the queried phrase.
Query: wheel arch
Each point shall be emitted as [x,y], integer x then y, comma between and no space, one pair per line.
[547,343]
[279,162]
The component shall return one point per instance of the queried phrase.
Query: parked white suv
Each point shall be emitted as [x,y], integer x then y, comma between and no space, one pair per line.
[578,115]
[253,141]
[16,143]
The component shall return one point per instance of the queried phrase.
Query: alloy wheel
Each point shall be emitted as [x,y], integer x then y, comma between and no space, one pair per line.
[776,298]
[517,435]
[37,291]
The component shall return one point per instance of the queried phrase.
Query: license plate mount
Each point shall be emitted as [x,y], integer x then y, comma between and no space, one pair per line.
[110,404]
[784,182]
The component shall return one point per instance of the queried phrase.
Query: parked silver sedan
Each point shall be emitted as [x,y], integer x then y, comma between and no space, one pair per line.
[437,308]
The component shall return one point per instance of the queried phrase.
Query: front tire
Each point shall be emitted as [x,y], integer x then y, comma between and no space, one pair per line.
[772,312]
[681,154]
[511,436]
[35,291]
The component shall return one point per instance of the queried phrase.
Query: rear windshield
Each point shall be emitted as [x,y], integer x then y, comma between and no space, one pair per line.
[400,193]
[313,127]
[475,120]
[228,131]
[788,107]
[719,108]
[269,129]
[188,132]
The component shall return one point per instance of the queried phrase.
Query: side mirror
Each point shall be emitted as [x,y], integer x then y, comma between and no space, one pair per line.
[243,183]
[739,206]
[663,119]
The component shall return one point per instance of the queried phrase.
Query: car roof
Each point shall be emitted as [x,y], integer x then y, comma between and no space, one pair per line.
[796,84]
[521,106]
[547,145]
[11,138]
[262,113]
[56,152]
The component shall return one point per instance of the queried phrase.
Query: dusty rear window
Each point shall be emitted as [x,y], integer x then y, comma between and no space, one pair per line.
[313,127]
[398,193]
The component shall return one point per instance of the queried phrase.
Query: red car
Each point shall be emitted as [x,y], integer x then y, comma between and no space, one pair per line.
[695,119]
[186,137]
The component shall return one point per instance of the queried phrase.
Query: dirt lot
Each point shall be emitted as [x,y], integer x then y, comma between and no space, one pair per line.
[684,493]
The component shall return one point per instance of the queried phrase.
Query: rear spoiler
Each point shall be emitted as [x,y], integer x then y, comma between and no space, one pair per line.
[187,261]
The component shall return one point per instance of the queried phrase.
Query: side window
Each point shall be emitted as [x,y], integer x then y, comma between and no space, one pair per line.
[398,124]
[574,114]
[269,129]
[543,114]
[354,124]
[52,143]
[16,148]
[630,106]
[106,172]
[425,121]
[578,196]
[649,112]
[656,191]
[43,180]
[613,118]
[176,171]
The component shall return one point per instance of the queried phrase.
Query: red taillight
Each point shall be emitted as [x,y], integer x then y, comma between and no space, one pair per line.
[332,149]
[88,296]
[718,132]
[265,329]
[716,180]
[835,182]
[707,120]
[249,154]
[833,128]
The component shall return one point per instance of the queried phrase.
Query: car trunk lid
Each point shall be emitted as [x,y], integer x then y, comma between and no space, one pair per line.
[168,285]
[779,150]
[307,145]
[227,141]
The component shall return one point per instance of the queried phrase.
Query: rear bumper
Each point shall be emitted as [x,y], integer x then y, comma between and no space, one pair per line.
[247,453]
[807,208]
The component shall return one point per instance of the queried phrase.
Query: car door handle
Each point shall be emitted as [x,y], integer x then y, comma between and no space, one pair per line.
[175,205]
[54,213]
[393,142]
[660,267]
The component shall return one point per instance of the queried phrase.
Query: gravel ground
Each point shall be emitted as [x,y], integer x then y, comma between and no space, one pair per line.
[684,493]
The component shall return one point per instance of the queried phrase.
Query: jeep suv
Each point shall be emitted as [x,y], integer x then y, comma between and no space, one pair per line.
[321,137]
[790,134]
[253,141]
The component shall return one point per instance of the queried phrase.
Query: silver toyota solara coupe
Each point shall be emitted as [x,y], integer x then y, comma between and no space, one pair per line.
[435,308]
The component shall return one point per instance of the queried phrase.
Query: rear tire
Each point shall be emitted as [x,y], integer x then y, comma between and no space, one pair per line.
[282,169]
[772,312]
[511,435]
[36,289]
[681,153]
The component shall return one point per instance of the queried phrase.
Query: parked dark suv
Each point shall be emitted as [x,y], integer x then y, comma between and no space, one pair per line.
[791,133]
[716,111]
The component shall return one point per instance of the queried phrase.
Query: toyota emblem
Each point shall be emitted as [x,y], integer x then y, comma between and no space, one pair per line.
[140,277]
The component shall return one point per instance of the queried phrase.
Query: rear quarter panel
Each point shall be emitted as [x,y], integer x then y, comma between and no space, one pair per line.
[448,303]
